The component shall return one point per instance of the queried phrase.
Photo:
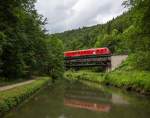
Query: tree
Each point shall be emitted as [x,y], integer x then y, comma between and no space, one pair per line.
[24,49]
[55,57]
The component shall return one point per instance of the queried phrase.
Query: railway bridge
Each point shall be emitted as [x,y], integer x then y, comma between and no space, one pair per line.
[100,58]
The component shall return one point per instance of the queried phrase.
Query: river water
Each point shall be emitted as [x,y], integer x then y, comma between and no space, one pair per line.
[83,100]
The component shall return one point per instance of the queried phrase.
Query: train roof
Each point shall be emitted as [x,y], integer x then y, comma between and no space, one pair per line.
[85,50]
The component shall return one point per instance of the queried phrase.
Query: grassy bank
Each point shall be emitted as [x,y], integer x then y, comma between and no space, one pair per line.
[84,75]
[133,80]
[11,98]
[130,80]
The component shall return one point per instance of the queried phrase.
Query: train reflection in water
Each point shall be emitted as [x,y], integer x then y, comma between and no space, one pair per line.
[87,105]
[87,98]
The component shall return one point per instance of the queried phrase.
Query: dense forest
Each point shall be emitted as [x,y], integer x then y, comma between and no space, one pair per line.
[126,34]
[25,47]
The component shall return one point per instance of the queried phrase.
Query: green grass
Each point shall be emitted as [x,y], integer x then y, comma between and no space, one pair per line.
[13,97]
[138,80]
[84,75]
[131,80]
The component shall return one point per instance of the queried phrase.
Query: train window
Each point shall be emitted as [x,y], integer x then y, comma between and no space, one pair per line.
[72,54]
[75,53]
[98,51]
[102,50]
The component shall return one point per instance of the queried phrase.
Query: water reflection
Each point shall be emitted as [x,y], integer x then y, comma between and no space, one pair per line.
[87,105]
[78,100]
[115,98]
[87,98]
[91,99]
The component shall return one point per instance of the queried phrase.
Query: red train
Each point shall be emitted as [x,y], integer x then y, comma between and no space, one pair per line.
[96,57]
[88,52]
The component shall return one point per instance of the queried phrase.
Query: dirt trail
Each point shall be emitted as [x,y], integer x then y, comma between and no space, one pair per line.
[15,85]
[117,60]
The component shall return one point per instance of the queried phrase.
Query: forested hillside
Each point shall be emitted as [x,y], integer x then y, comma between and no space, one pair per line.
[126,34]
[25,47]
[87,37]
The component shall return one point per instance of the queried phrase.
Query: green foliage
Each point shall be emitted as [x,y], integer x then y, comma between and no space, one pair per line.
[79,39]
[23,45]
[2,42]
[11,98]
[109,41]
[55,57]
[142,62]
[135,80]
[21,25]
[84,75]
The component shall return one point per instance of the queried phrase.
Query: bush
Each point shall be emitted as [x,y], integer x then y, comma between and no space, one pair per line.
[84,75]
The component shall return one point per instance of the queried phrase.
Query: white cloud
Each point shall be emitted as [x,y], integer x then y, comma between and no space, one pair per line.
[70,14]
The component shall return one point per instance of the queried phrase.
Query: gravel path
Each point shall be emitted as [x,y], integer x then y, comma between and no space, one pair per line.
[15,85]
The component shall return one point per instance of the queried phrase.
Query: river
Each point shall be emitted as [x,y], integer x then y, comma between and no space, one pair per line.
[83,100]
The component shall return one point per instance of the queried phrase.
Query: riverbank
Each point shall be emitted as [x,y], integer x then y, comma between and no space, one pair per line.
[13,97]
[138,81]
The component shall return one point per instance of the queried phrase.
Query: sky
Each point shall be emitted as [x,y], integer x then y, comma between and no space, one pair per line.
[65,15]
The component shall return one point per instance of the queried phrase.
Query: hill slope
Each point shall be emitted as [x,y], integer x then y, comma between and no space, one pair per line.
[87,37]
[126,34]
